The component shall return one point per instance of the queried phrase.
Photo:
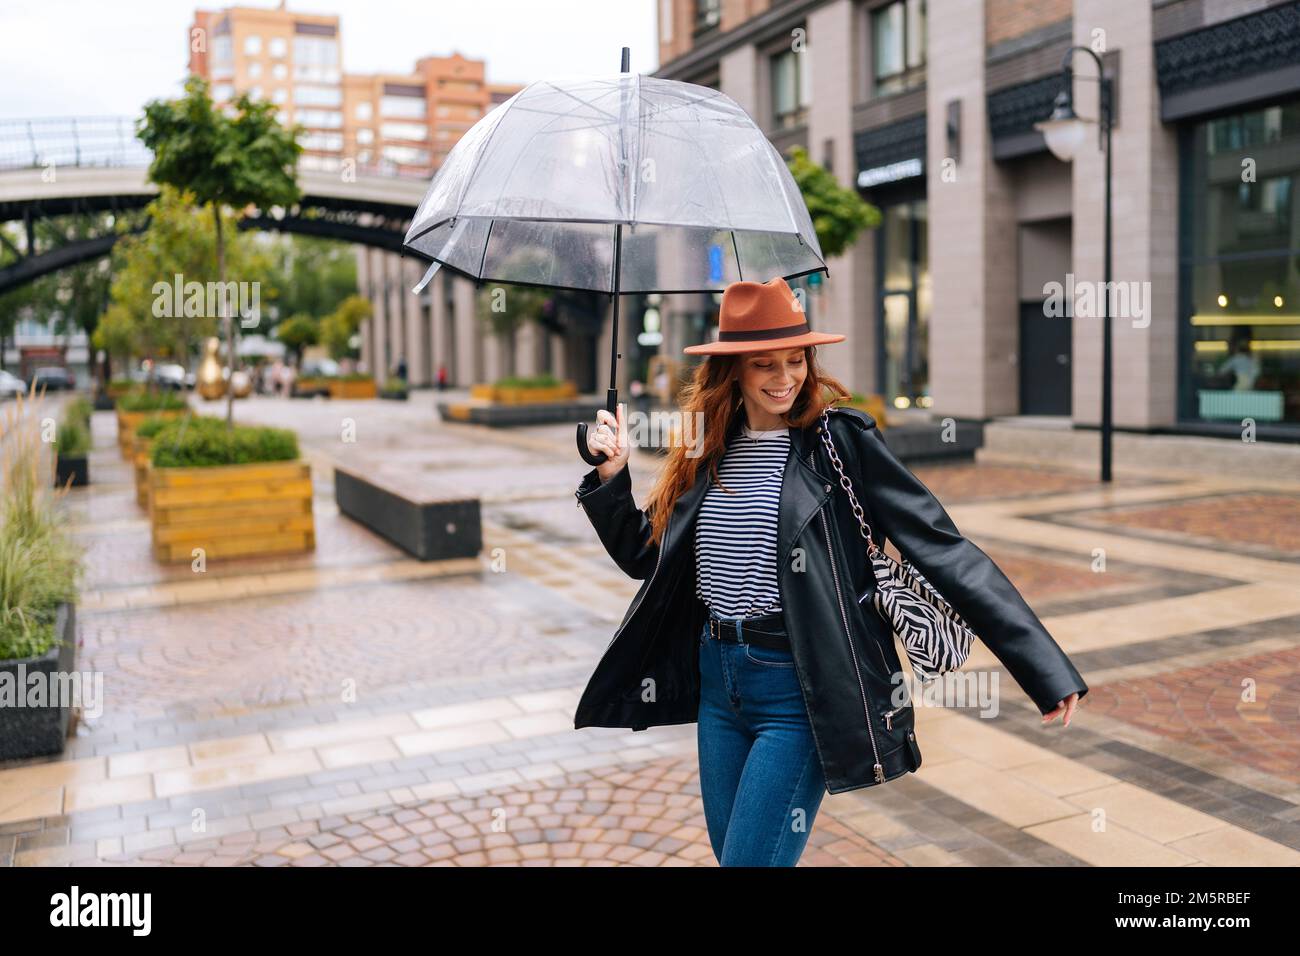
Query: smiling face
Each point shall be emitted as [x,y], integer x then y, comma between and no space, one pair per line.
[769,383]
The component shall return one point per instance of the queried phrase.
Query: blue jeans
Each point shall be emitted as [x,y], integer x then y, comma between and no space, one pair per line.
[760,777]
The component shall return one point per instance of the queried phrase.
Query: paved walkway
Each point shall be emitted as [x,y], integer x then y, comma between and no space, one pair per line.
[357,707]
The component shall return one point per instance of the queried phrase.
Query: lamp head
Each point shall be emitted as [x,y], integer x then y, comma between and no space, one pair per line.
[1064,131]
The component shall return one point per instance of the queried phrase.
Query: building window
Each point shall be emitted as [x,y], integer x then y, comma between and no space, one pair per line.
[222,50]
[254,70]
[322,119]
[904,288]
[708,14]
[404,131]
[280,71]
[407,107]
[364,112]
[278,47]
[1241,268]
[252,45]
[898,46]
[406,155]
[791,87]
[333,142]
[222,92]
[317,96]
[279,95]
[365,135]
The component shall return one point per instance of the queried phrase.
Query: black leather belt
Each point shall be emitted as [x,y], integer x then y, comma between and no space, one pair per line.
[767,630]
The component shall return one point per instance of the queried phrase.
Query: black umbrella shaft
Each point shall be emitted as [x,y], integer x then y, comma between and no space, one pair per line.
[611,398]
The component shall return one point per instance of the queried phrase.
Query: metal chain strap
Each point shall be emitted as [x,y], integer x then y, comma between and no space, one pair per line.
[863,528]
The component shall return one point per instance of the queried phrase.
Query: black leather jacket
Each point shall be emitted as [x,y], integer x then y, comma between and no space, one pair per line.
[844,651]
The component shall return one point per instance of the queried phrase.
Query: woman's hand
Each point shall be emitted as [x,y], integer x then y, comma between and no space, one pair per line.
[610,437]
[1067,705]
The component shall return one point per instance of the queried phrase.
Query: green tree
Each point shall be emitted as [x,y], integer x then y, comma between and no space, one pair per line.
[69,299]
[145,316]
[340,325]
[838,214]
[297,332]
[313,276]
[240,160]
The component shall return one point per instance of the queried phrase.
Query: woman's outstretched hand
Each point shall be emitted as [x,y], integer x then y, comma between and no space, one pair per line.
[610,437]
[1067,706]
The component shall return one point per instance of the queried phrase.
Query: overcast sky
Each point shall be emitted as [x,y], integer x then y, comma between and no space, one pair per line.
[108,57]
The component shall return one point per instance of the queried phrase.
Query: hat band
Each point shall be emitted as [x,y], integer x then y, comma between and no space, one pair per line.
[758,335]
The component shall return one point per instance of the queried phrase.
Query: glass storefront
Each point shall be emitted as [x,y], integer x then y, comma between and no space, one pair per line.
[904,371]
[1240,269]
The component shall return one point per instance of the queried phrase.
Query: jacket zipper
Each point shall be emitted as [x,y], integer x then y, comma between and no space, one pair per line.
[878,769]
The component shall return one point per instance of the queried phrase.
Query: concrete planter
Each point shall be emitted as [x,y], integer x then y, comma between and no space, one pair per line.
[231,510]
[76,468]
[430,525]
[39,730]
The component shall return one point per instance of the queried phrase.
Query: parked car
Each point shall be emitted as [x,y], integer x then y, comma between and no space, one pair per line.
[53,378]
[174,377]
[311,368]
[11,385]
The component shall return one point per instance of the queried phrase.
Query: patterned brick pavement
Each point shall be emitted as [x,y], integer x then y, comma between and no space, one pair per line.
[1244,710]
[647,815]
[226,691]
[1265,521]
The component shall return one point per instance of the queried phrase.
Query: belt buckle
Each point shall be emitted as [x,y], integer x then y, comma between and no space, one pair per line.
[712,621]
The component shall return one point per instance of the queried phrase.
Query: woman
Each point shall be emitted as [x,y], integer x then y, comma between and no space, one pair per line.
[755,618]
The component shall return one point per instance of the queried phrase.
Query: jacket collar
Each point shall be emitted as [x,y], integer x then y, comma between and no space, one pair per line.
[803,491]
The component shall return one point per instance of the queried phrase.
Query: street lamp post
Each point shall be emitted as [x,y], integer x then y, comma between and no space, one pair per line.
[1064,132]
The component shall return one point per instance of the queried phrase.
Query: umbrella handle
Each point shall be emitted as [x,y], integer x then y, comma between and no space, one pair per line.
[597,458]
[590,457]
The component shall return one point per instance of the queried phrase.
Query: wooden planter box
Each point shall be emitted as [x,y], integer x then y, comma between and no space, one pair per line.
[393,396]
[140,467]
[37,731]
[353,388]
[310,387]
[231,510]
[77,468]
[512,395]
[127,422]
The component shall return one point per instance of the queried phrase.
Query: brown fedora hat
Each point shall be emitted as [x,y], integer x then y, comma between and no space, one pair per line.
[760,317]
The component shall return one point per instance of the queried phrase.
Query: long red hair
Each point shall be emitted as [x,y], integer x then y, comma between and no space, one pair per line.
[714,392]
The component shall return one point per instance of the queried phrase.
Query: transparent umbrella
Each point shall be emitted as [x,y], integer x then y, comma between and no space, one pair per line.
[616,184]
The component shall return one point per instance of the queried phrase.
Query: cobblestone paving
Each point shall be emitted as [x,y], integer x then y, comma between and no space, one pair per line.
[354,707]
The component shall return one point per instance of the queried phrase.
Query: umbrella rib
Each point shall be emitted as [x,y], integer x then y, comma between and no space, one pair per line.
[486,143]
[572,97]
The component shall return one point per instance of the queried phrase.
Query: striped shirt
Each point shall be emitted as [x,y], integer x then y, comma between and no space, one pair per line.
[735,534]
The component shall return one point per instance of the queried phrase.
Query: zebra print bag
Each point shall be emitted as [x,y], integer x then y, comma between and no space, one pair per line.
[935,636]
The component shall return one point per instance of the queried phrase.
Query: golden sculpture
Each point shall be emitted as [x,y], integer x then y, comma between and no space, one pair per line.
[209,381]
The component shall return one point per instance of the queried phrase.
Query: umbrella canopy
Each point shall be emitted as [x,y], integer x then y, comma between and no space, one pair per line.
[535,191]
